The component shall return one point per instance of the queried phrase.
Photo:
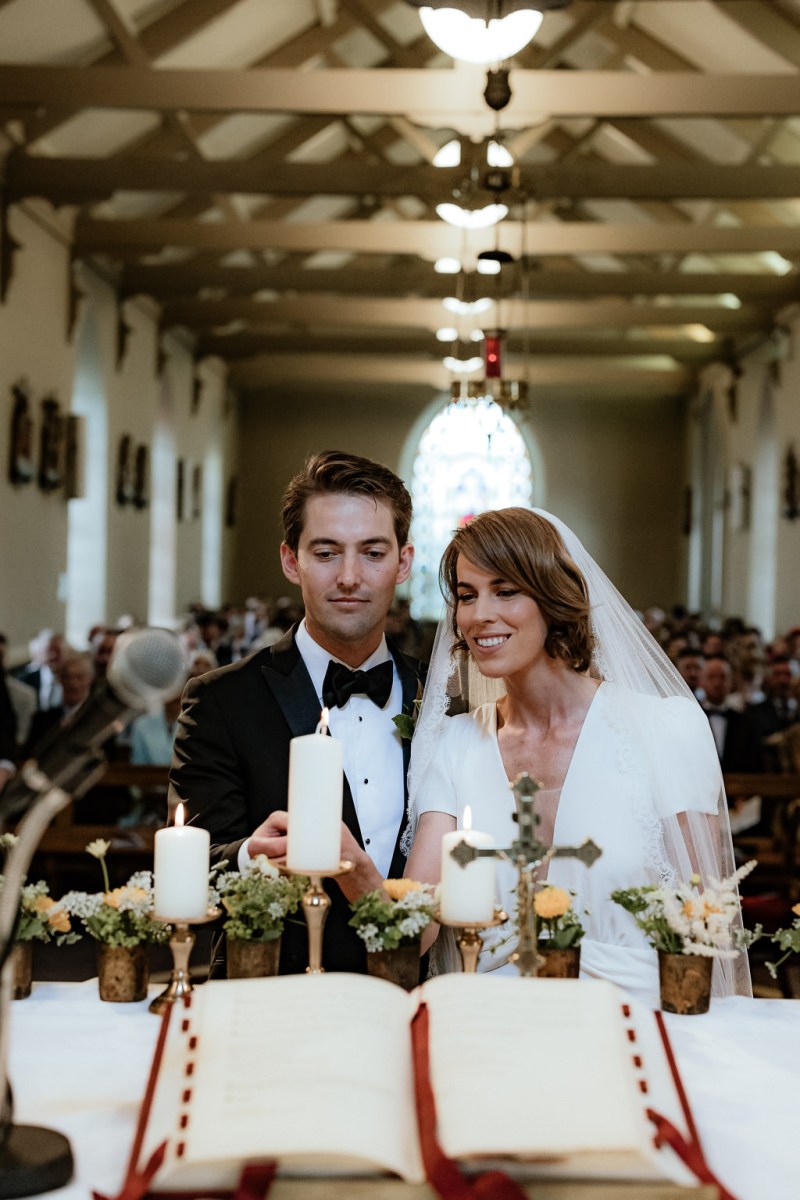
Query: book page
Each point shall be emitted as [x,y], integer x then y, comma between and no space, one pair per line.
[314,1071]
[534,1068]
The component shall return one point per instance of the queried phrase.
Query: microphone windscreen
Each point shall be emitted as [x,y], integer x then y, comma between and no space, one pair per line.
[148,665]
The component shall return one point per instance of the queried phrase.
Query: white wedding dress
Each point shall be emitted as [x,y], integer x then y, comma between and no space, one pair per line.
[638,758]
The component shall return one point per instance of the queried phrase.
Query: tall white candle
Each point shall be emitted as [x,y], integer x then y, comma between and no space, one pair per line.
[315,801]
[181,870]
[467,894]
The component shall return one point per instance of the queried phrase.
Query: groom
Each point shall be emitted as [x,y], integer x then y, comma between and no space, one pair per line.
[345,523]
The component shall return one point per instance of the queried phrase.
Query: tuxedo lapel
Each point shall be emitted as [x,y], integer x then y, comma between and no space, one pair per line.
[290,683]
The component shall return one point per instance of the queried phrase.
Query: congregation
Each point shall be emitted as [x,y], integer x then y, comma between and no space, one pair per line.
[748,686]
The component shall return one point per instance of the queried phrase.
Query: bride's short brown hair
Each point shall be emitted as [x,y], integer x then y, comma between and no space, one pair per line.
[519,546]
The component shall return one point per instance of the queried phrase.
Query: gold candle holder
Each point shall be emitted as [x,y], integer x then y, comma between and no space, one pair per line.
[181,944]
[469,938]
[316,903]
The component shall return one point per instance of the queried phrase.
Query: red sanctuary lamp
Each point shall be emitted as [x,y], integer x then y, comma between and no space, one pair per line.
[510,394]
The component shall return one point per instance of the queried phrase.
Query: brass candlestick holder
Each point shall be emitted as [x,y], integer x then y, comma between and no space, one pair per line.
[316,903]
[181,944]
[469,938]
[527,853]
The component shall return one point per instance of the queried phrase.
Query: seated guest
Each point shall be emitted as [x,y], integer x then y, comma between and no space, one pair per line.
[22,697]
[75,679]
[102,647]
[690,663]
[48,651]
[152,734]
[736,733]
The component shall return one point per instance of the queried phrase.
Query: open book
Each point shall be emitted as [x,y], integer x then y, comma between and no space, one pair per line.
[555,1075]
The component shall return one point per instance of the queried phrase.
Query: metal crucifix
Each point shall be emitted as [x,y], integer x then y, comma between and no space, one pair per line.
[526,853]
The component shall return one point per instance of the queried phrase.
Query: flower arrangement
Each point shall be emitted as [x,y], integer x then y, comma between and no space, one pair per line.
[393,915]
[558,925]
[258,900]
[787,940]
[40,918]
[118,917]
[682,920]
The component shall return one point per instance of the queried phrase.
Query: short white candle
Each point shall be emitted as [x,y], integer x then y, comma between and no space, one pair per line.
[181,870]
[315,801]
[467,895]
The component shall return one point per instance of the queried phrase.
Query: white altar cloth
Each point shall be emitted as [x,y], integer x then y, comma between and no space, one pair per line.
[80,1066]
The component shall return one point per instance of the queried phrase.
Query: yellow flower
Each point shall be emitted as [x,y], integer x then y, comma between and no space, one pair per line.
[688,908]
[58,920]
[397,888]
[113,899]
[796,909]
[98,848]
[551,902]
[42,903]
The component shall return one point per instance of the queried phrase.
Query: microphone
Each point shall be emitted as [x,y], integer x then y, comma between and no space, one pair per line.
[148,666]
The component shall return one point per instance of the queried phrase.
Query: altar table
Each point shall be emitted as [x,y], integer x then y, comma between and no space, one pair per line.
[80,1066]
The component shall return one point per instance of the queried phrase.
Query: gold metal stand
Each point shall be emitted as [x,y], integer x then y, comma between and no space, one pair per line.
[181,943]
[469,938]
[316,903]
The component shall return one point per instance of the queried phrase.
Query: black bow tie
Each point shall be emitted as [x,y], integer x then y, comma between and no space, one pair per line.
[341,683]
[718,712]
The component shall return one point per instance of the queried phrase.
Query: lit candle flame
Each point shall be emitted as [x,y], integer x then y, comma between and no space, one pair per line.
[466,821]
[322,727]
[180,819]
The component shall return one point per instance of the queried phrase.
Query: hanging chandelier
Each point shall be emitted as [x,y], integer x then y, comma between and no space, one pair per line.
[509,394]
[483,31]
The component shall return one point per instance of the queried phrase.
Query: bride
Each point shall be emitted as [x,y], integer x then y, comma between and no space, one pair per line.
[571,688]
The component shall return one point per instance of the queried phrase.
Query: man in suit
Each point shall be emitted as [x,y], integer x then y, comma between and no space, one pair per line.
[735,731]
[346,522]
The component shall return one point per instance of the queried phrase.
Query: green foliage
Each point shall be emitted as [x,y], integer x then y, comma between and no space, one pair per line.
[258,900]
[384,923]
[787,940]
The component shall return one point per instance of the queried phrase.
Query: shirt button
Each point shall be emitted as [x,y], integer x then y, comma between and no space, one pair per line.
[361,718]
[366,781]
[367,841]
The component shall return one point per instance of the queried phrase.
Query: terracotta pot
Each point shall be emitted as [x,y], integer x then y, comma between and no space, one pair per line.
[685,981]
[123,972]
[250,960]
[22,957]
[400,966]
[560,964]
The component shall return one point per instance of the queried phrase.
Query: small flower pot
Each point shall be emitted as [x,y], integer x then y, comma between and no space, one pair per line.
[560,964]
[22,957]
[123,972]
[400,966]
[251,960]
[685,981]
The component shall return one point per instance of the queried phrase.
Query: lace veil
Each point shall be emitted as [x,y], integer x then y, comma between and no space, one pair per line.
[628,655]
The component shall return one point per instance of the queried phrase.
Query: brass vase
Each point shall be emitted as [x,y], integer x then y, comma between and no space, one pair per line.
[400,966]
[685,981]
[123,972]
[22,956]
[250,960]
[559,964]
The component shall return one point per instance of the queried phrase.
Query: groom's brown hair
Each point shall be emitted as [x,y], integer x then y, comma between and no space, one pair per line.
[524,549]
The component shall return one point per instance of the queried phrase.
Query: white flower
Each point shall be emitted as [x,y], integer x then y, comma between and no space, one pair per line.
[261,865]
[98,848]
[276,910]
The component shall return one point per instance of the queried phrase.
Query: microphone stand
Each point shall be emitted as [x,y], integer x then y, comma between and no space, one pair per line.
[33,1158]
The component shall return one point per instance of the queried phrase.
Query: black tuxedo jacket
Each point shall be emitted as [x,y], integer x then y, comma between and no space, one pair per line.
[231,768]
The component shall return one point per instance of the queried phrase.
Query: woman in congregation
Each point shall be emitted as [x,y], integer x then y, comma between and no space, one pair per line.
[571,688]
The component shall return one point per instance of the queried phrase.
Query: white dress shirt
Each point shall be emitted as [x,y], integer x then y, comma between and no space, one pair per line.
[373,751]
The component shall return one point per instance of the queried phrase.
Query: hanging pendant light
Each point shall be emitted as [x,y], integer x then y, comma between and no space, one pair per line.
[483,31]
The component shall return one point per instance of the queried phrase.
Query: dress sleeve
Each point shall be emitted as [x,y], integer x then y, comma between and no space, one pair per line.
[687,773]
[438,790]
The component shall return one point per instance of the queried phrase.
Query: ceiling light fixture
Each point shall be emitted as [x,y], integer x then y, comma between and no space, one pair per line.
[465,308]
[472,218]
[462,366]
[481,31]
[447,266]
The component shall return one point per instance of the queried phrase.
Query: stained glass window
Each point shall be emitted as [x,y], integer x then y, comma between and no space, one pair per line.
[471,457]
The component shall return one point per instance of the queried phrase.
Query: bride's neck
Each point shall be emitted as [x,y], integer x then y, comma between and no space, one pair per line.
[549,694]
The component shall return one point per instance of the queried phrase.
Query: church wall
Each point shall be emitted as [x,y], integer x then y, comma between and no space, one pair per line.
[613,469]
[34,525]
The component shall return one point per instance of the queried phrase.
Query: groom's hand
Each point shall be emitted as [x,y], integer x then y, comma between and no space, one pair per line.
[365,876]
[270,837]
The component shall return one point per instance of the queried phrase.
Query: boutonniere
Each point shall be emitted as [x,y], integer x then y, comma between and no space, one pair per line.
[406,721]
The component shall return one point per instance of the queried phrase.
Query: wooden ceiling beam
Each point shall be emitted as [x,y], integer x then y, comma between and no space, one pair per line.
[448,98]
[88,180]
[342,312]
[432,239]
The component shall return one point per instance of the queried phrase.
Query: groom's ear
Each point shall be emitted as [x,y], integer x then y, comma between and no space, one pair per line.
[404,566]
[289,563]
